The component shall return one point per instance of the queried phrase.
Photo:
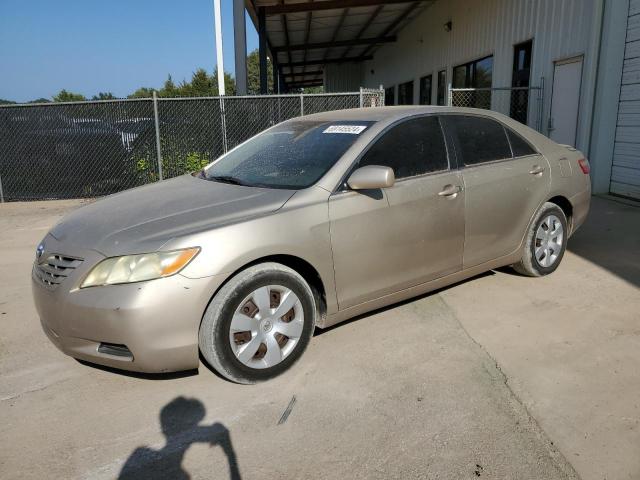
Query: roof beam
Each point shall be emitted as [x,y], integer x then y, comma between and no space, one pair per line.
[392,26]
[307,73]
[326,60]
[300,7]
[369,21]
[313,83]
[339,43]
[285,29]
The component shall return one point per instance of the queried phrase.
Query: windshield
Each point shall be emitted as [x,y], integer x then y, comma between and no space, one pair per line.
[293,155]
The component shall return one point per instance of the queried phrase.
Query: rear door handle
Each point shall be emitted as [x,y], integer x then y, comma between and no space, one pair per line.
[536,170]
[450,191]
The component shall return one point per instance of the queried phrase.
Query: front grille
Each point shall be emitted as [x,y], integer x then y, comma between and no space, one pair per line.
[52,270]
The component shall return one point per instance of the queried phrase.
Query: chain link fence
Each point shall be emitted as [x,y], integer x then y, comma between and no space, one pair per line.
[523,104]
[90,149]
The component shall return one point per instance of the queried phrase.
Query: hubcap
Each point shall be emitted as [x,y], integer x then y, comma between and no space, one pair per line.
[266,326]
[549,238]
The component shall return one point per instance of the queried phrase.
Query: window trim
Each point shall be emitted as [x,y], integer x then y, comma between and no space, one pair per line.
[456,142]
[339,188]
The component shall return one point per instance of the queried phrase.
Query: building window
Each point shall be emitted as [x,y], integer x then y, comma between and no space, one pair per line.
[442,87]
[405,93]
[519,108]
[389,95]
[425,90]
[476,74]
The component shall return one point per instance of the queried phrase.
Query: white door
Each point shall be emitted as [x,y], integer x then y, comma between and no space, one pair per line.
[565,101]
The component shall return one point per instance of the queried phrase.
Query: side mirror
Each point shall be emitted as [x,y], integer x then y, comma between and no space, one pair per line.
[371,177]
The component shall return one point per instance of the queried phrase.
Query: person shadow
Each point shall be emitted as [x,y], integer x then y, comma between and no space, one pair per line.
[180,420]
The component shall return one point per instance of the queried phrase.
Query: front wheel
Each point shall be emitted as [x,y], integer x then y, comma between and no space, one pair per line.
[258,324]
[545,243]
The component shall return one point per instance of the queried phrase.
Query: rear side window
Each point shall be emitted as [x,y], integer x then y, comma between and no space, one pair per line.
[481,139]
[411,148]
[519,145]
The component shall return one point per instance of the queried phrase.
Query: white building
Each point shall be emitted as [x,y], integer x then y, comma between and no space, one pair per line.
[580,60]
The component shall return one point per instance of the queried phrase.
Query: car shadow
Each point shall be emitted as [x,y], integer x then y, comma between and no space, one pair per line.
[141,375]
[610,238]
[180,421]
[322,331]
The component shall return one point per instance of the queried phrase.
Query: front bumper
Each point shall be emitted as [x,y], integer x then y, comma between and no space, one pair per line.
[157,320]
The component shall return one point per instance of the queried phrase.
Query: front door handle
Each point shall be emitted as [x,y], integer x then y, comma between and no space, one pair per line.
[450,191]
[536,170]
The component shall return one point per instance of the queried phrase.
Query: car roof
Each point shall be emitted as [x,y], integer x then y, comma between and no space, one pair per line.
[391,113]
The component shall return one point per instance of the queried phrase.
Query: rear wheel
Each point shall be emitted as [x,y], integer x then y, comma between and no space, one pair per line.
[546,242]
[258,324]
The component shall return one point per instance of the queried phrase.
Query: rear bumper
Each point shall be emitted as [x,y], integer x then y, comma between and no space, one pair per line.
[158,321]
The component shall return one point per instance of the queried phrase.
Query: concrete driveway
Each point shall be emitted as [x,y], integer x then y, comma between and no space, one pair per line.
[498,377]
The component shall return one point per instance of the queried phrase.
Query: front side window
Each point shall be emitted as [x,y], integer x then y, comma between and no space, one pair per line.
[481,139]
[405,93]
[293,155]
[413,147]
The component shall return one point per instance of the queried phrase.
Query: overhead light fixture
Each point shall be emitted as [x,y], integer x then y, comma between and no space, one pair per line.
[448,26]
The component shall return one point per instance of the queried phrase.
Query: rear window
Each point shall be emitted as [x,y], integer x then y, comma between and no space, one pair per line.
[519,145]
[481,139]
[293,155]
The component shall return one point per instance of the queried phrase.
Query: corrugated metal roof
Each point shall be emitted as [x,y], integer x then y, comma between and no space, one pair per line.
[304,36]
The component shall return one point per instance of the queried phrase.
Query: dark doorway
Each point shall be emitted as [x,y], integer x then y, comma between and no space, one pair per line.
[389,95]
[519,108]
[442,87]
[425,90]
[405,93]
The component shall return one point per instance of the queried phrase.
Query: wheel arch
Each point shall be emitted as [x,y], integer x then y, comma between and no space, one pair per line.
[567,208]
[301,266]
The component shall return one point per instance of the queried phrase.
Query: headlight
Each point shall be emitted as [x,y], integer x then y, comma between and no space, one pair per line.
[137,268]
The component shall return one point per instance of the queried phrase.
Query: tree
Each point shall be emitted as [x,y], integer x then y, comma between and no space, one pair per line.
[253,73]
[65,96]
[229,83]
[6,102]
[142,92]
[40,100]
[104,96]
[169,89]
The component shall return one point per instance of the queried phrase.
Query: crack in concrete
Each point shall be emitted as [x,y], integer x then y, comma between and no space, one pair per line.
[564,466]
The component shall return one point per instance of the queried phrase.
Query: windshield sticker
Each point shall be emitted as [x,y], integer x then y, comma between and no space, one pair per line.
[351,129]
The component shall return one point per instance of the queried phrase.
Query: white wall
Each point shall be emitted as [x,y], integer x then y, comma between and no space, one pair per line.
[559,29]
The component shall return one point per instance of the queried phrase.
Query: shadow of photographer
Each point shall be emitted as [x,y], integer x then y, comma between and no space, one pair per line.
[180,421]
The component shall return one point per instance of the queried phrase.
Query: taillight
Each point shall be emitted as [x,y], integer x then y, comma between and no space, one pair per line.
[584,166]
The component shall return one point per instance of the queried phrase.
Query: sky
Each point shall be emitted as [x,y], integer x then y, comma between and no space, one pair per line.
[112,46]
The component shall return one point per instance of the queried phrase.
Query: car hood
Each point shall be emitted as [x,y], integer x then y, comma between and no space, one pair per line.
[143,219]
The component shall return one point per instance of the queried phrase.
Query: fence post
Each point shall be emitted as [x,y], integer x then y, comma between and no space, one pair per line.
[361,98]
[223,121]
[157,122]
[382,96]
[301,104]
[449,95]
[1,191]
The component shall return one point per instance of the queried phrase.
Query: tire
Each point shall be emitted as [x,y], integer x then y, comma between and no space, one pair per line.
[234,324]
[535,261]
